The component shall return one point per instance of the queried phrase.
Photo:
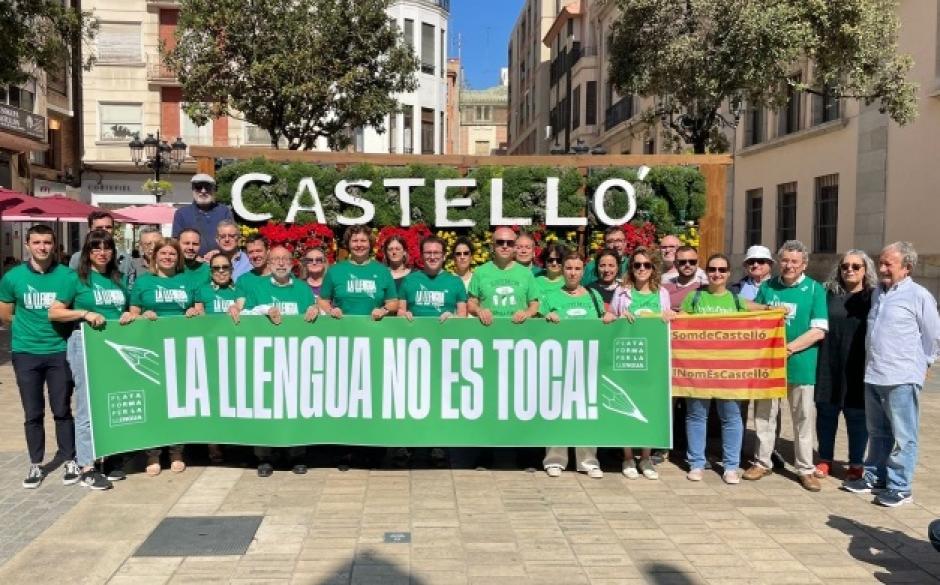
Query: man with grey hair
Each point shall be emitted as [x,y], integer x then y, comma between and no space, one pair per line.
[147,238]
[203,214]
[902,341]
[807,320]
[226,239]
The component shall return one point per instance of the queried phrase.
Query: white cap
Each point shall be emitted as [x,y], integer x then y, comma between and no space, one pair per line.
[758,253]
[202,178]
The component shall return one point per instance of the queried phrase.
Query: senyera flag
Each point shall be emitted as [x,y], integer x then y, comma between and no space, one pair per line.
[737,355]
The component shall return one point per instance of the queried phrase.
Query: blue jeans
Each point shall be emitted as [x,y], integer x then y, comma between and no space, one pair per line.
[892,414]
[732,431]
[827,423]
[84,454]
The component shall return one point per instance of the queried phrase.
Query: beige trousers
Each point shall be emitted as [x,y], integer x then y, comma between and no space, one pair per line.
[586,456]
[801,398]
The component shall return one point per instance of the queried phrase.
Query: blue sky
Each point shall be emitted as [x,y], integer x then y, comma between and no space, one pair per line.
[483,27]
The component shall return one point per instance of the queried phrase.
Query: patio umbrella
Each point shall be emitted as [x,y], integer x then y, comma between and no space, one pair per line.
[147,214]
[52,209]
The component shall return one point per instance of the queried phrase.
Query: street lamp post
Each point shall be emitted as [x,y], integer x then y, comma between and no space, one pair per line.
[157,154]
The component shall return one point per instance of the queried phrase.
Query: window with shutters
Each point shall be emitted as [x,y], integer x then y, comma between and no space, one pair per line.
[753,216]
[427,48]
[590,103]
[193,134]
[408,125]
[119,122]
[789,117]
[575,106]
[410,32]
[786,212]
[427,131]
[825,223]
[119,43]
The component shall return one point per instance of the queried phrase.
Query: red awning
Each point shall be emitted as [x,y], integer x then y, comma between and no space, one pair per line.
[148,214]
[49,209]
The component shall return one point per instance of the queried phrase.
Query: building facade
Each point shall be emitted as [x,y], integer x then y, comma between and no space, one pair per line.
[528,61]
[483,114]
[130,91]
[836,174]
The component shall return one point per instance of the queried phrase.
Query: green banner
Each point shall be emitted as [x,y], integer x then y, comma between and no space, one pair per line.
[390,383]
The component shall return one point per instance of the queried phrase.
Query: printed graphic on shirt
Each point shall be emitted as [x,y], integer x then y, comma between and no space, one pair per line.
[34,299]
[504,295]
[287,307]
[429,298]
[171,295]
[361,286]
[220,305]
[108,297]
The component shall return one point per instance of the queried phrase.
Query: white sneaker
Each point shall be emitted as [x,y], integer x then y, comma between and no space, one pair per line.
[554,470]
[646,468]
[694,475]
[594,472]
[629,469]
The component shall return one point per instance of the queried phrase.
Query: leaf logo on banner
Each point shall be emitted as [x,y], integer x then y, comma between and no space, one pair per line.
[140,359]
[617,400]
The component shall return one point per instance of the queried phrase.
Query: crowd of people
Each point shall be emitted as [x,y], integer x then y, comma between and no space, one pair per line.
[858,345]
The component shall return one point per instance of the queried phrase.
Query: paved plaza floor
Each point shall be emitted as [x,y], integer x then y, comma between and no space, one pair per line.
[467,526]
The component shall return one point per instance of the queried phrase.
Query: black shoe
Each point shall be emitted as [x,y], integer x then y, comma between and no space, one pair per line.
[95,481]
[265,470]
[116,475]
[72,473]
[299,469]
[776,459]
[34,477]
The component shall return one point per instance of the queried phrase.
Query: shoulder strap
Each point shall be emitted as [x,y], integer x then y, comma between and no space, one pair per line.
[593,294]
[695,298]
[737,302]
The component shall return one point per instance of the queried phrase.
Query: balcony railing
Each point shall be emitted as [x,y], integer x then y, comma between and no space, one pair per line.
[617,113]
[158,72]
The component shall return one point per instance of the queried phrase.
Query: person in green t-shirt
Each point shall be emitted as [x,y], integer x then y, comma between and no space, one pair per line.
[552,277]
[524,253]
[640,294]
[39,350]
[164,292]
[281,294]
[503,288]
[573,301]
[432,292]
[614,239]
[194,267]
[360,285]
[807,321]
[220,294]
[96,296]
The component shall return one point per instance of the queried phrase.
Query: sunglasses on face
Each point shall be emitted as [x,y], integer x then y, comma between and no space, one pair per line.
[553,260]
[203,187]
[461,254]
[848,265]
[504,243]
[643,265]
[313,260]
[756,261]
[221,269]
[686,262]
[718,269]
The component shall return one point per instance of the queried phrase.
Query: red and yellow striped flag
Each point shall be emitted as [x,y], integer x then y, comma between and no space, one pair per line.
[736,355]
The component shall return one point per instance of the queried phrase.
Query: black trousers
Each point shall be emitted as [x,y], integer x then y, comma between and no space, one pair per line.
[33,372]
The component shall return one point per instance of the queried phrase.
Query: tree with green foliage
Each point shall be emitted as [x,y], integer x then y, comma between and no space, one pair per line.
[302,70]
[39,35]
[698,55]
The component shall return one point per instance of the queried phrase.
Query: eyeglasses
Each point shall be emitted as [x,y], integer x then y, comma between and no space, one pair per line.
[855,267]
[102,249]
[461,254]
[683,262]
[313,260]
[226,236]
[643,265]
[662,247]
[433,254]
[221,269]
[754,261]
[718,269]
[614,241]
[203,187]
[504,243]
[553,260]
[280,258]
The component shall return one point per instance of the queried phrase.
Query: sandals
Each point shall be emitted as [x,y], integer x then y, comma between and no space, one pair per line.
[153,468]
[177,465]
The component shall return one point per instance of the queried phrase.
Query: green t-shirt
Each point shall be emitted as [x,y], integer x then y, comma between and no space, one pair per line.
[358,289]
[573,307]
[645,303]
[199,275]
[216,299]
[430,297]
[545,284]
[164,295]
[590,271]
[31,293]
[245,279]
[709,303]
[503,291]
[101,295]
[293,298]
[805,302]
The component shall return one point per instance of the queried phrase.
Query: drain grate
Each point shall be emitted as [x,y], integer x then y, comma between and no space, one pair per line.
[200,536]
